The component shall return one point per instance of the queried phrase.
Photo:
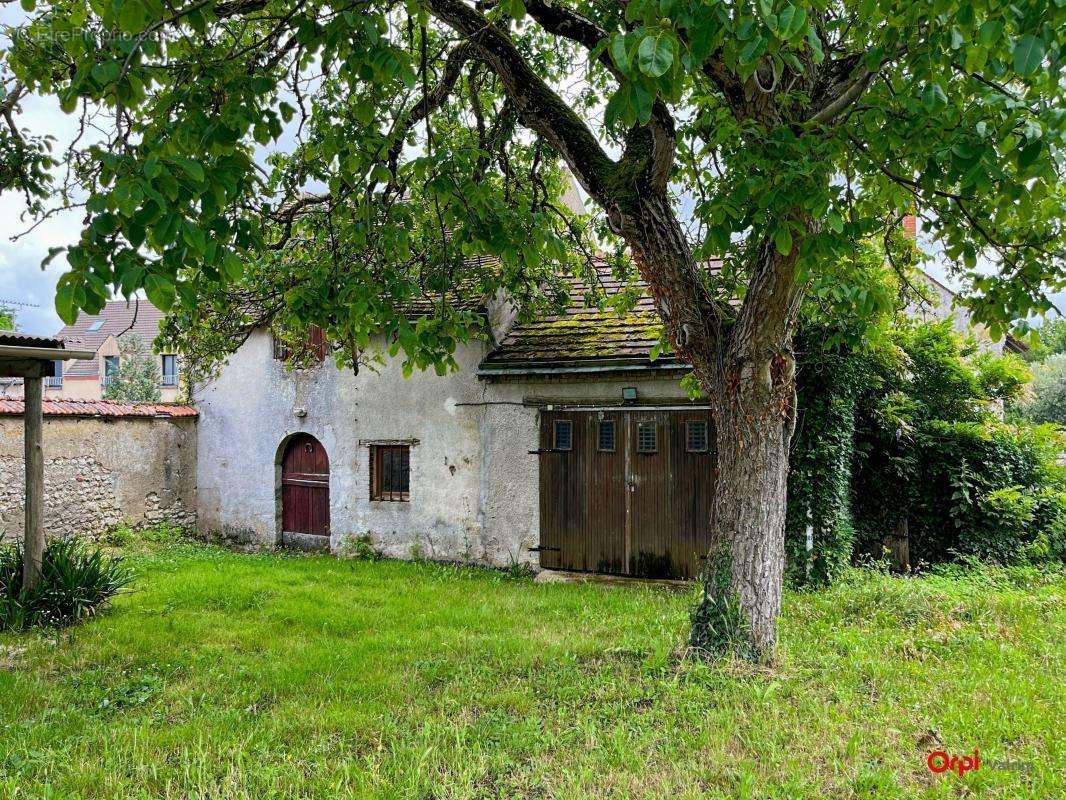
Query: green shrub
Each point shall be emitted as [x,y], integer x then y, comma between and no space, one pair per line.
[125,536]
[360,548]
[76,582]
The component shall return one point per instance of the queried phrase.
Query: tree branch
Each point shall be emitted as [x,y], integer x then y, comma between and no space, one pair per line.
[539,108]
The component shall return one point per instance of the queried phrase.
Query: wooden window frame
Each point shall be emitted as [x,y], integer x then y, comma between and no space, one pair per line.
[599,436]
[377,494]
[655,438]
[570,434]
[688,436]
[317,346]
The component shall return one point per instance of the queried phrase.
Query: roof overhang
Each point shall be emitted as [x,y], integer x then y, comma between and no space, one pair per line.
[27,361]
[547,369]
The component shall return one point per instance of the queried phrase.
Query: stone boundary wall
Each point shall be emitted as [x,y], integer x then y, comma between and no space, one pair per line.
[102,471]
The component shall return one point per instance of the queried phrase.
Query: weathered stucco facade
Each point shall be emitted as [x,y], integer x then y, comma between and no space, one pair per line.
[474,484]
[102,471]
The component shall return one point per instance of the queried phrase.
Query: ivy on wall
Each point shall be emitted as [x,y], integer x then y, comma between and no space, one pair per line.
[819,530]
[910,429]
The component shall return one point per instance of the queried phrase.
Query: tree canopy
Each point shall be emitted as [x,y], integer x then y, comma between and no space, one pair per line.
[377,144]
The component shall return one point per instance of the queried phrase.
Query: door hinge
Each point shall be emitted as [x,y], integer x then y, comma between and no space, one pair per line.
[543,548]
[544,450]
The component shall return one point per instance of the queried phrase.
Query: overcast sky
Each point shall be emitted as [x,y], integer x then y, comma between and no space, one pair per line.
[22,281]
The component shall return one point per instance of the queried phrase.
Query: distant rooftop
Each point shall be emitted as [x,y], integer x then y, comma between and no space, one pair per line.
[115,319]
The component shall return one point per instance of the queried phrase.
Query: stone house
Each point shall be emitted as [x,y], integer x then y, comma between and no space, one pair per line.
[557,443]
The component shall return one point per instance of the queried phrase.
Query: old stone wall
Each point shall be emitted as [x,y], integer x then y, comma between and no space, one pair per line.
[101,472]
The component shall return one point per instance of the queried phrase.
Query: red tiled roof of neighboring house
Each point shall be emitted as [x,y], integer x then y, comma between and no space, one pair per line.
[100,408]
[116,318]
[586,334]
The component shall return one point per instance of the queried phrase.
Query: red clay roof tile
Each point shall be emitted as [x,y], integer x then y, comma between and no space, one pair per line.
[100,408]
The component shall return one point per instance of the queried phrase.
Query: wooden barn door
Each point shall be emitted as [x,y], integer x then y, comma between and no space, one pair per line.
[671,475]
[305,487]
[582,498]
[626,491]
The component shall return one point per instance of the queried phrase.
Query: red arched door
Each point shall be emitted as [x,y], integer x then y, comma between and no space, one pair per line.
[305,487]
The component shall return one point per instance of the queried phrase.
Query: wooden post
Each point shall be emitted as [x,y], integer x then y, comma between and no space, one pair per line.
[899,547]
[33,422]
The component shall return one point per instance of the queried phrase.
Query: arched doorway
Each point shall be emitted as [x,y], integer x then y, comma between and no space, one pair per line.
[305,487]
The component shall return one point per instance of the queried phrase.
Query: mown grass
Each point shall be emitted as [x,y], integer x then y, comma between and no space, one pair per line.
[273,676]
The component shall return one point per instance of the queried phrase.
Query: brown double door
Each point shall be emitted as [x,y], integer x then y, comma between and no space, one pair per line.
[305,487]
[626,491]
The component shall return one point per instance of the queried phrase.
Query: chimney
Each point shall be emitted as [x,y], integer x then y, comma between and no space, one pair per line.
[910,226]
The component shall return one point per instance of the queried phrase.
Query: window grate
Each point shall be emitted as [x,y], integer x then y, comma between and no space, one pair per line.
[390,473]
[696,436]
[647,437]
[606,436]
[564,435]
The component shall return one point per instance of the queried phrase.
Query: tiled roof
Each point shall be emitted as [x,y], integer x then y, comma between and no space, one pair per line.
[117,317]
[19,339]
[582,334]
[468,295]
[100,408]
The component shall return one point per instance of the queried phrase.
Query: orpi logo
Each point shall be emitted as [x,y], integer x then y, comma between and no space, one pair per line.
[939,762]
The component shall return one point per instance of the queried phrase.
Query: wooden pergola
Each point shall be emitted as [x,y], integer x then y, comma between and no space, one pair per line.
[33,358]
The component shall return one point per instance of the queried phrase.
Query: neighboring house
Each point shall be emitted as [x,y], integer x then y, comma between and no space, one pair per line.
[940,302]
[86,380]
[557,443]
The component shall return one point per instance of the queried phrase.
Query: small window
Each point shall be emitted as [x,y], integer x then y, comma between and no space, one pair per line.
[55,380]
[606,437]
[647,437]
[696,436]
[564,435]
[390,473]
[315,348]
[110,368]
[170,370]
[97,324]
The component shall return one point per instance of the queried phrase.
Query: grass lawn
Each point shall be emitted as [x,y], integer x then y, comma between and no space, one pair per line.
[234,676]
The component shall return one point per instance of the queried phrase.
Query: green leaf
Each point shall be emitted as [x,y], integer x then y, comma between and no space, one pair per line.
[783,240]
[131,16]
[1028,53]
[656,54]
[65,304]
[191,167]
[232,266]
[752,50]
[619,54]
[642,101]
[160,291]
[990,31]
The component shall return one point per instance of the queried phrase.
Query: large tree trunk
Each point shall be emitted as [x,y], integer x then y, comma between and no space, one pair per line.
[754,416]
[747,368]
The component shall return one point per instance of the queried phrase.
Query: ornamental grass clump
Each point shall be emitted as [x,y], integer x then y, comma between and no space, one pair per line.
[77,581]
